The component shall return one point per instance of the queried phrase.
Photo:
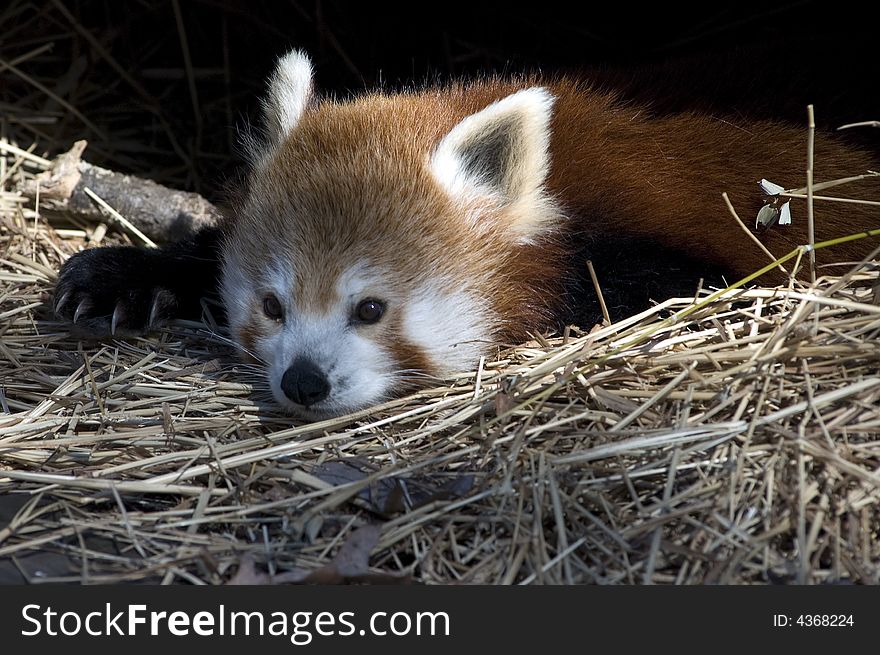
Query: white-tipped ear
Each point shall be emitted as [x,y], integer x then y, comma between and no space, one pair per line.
[501,152]
[290,89]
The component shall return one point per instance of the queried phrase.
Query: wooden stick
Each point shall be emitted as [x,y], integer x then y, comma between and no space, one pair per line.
[153,212]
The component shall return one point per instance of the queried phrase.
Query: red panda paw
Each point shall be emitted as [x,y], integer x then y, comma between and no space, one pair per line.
[113,291]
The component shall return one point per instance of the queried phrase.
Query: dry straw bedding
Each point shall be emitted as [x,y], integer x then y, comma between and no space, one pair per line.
[732,442]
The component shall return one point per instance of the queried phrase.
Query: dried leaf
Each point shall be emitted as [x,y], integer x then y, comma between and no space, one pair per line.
[353,557]
[341,472]
[767,216]
[769,188]
[338,472]
[352,561]
[785,214]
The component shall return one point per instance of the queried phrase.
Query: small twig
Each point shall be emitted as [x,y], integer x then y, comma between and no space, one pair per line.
[478,383]
[5,146]
[605,315]
[120,218]
[748,232]
[811,225]
[36,222]
[860,124]
[851,201]
[821,186]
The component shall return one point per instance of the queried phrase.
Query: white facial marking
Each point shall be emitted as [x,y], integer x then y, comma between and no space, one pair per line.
[450,326]
[358,281]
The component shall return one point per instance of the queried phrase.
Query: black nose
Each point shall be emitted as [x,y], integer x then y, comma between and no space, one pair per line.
[304,383]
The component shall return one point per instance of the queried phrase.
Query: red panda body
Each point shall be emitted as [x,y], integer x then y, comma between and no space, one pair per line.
[391,239]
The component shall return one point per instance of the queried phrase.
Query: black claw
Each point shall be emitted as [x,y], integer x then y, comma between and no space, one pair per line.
[83,306]
[62,301]
[154,309]
[118,312]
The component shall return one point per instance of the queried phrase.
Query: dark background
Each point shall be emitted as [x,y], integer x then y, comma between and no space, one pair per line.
[122,64]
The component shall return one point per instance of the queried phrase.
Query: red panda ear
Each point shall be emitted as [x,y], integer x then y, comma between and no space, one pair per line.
[290,89]
[501,152]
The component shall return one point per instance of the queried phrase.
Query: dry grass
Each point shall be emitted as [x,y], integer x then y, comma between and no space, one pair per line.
[736,444]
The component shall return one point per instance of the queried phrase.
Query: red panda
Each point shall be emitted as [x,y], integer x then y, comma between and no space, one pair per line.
[392,239]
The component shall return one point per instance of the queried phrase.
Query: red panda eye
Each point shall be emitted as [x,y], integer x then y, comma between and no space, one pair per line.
[272,308]
[369,311]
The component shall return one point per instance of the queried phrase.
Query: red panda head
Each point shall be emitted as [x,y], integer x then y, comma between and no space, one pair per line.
[388,240]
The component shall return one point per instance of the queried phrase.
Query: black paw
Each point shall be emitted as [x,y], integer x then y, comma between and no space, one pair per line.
[114,290]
